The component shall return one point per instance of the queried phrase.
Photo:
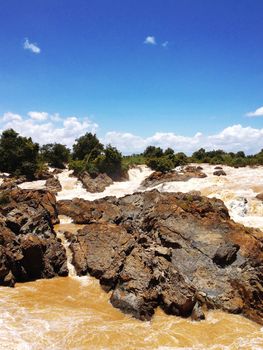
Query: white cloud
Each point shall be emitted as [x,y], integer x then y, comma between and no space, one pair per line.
[150,40]
[233,138]
[11,117]
[38,115]
[31,47]
[165,43]
[65,130]
[257,113]
[61,130]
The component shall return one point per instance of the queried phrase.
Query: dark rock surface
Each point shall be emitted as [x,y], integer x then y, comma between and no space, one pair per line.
[97,184]
[187,173]
[219,173]
[29,248]
[179,251]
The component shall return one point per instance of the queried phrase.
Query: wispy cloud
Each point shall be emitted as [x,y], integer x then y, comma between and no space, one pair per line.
[165,43]
[150,40]
[257,113]
[31,47]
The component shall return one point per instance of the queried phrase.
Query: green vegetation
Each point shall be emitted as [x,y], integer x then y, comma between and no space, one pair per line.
[21,156]
[215,157]
[55,154]
[18,155]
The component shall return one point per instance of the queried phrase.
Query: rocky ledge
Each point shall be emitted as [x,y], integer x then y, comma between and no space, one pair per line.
[178,251]
[96,184]
[187,173]
[29,248]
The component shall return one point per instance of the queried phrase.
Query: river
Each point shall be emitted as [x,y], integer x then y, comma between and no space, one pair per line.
[74,313]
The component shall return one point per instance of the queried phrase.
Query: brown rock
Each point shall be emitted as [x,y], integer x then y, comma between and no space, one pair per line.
[174,250]
[97,184]
[53,185]
[157,177]
[29,248]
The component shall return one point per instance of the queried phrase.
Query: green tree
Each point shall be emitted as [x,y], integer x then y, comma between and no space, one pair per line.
[199,155]
[152,152]
[87,147]
[19,155]
[110,162]
[55,154]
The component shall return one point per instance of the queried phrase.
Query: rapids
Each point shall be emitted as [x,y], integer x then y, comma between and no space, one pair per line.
[74,313]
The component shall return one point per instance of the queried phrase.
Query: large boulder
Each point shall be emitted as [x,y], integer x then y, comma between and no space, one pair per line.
[96,184]
[179,251]
[53,185]
[29,248]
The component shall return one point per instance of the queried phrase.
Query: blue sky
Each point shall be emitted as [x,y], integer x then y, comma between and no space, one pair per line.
[201,69]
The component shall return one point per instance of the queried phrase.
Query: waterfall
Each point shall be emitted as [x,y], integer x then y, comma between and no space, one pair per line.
[66,243]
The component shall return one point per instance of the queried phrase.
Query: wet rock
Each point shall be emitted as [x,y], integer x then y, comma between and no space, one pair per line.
[197,313]
[218,167]
[157,177]
[97,184]
[29,248]
[172,250]
[219,173]
[260,196]
[53,185]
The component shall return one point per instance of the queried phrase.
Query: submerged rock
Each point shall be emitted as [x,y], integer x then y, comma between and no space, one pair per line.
[175,250]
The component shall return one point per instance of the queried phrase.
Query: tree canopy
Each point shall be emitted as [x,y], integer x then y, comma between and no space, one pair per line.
[18,154]
[55,154]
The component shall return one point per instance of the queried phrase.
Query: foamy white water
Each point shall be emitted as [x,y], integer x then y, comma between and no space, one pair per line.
[72,188]
[238,189]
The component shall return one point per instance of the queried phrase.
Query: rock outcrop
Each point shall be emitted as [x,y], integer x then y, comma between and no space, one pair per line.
[96,184]
[219,173]
[53,185]
[29,248]
[187,173]
[178,251]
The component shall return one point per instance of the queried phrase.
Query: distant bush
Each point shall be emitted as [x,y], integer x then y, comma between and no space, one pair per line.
[162,164]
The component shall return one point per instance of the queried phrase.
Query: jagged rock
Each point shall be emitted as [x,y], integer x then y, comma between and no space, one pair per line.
[157,177]
[53,185]
[29,248]
[97,184]
[219,173]
[174,250]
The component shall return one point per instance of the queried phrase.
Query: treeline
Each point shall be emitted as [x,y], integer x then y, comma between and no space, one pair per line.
[21,156]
